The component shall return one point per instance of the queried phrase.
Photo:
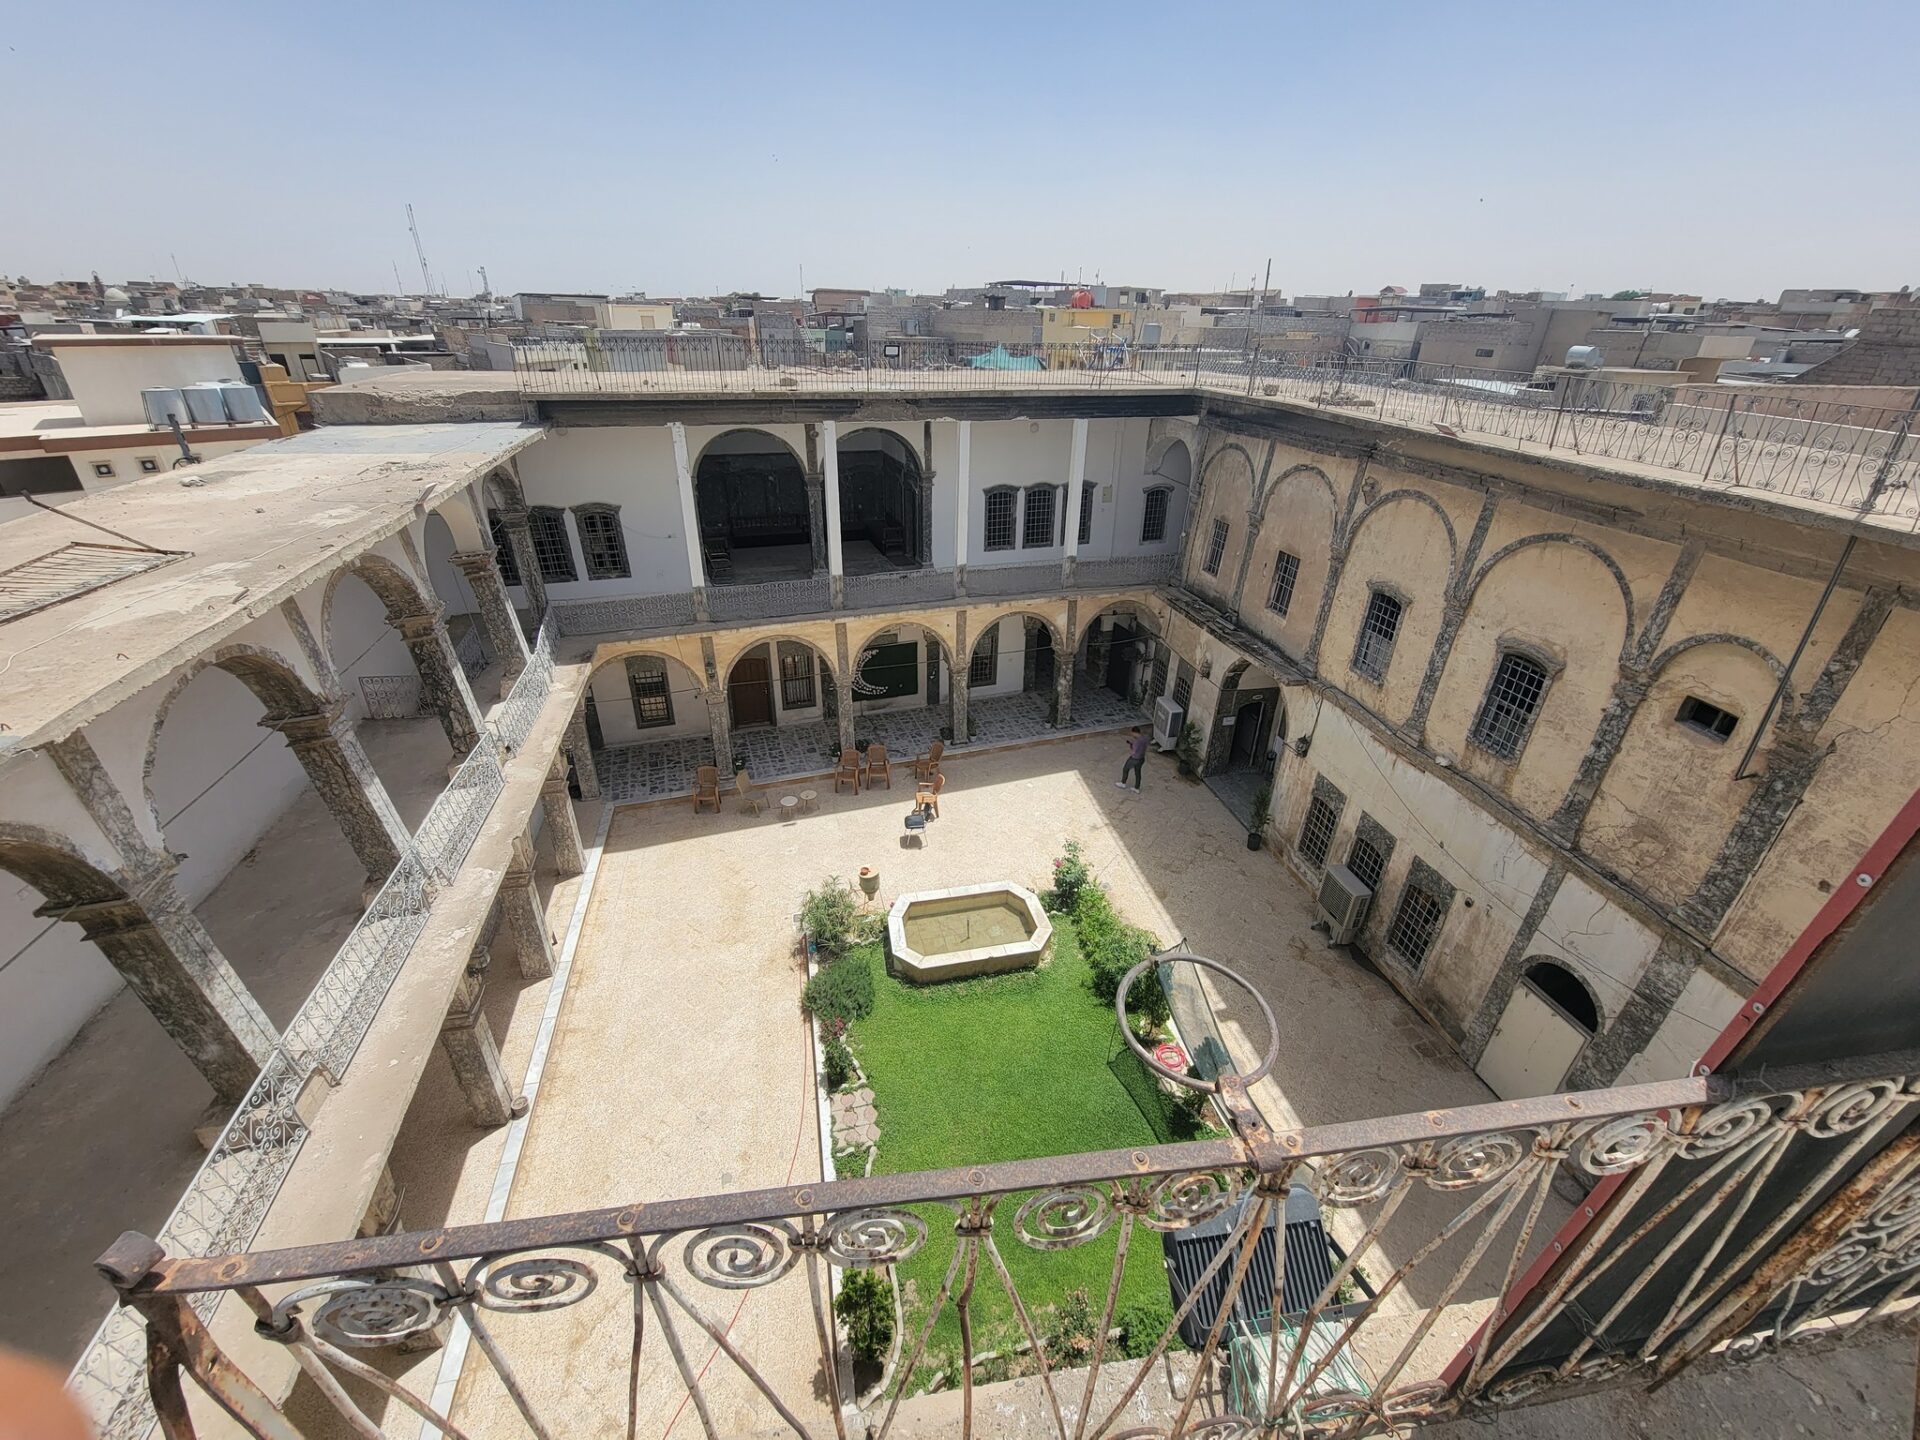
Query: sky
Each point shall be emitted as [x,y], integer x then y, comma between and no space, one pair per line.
[1719,148]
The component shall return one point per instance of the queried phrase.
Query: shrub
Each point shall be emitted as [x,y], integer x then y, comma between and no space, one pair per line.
[1111,948]
[1141,1326]
[828,915]
[1070,877]
[841,991]
[839,1062]
[1070,1330]
[865,1307]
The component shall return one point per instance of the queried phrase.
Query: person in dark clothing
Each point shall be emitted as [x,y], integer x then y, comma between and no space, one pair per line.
[1136,758]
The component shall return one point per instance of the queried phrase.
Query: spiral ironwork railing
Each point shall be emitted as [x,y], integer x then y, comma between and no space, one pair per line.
[1716,1216]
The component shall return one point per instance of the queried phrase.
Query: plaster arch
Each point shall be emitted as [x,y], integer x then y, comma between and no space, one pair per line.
[1420,497]
[1301,518]
[1403,547]
[1579,542]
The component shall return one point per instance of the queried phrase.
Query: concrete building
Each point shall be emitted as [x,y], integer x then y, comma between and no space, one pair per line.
[1597,738]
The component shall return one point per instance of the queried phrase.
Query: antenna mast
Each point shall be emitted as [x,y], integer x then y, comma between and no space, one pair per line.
[419,250]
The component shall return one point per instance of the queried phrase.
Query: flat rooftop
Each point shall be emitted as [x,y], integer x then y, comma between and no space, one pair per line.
[243,532]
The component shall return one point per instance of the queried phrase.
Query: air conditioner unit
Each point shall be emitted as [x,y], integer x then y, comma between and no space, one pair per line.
[1344,899]
[1168,717]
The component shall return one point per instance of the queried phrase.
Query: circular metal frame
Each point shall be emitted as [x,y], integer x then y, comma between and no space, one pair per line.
[1210,1087]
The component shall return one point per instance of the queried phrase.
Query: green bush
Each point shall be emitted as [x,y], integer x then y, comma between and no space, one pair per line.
[828,915]
[841,991]
[1070,876]
[1141,1326]
[1070,1331]
[1112,947]
[865,1307]
[839,1062]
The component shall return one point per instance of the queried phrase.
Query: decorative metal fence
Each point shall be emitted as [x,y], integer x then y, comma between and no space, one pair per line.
[1014,579]
[770,599]
[892,588]
[1125,570]
[391,697]
[1444,1210]
[471,650]
[626,612]
[229,1196]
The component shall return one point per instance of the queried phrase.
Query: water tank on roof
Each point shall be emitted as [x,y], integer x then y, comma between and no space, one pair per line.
[1585,357]
[1082,300]
[161,402]
[204,405]
[243,405]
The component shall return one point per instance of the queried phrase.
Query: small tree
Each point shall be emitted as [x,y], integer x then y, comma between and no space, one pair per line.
[1187,750]
[865,1307]
[1070,875]
[827,916]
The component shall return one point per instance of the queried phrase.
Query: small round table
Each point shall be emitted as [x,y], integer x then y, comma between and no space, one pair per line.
[808,799]
[789,806]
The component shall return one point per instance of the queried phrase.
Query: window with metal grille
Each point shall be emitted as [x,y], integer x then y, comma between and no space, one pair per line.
[1513,699]
[798,690]
[1415,924]
[1216,547]
[1378,630]
[1182,691]
[652,698]
[502,551]
[1367,863]
[550,545]
[602,542]
[1316,831]
[1002,501]
[1153,519]
[1086,514]
[1286,569]
[1036,525]
[985,664]
[1709,719]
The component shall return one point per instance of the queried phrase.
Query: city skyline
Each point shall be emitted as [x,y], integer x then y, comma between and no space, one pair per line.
[677,154]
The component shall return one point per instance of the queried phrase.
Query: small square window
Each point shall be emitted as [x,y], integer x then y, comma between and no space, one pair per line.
[1483,354]
[103,468]
[1707,718]
[1316,833]
[149,465]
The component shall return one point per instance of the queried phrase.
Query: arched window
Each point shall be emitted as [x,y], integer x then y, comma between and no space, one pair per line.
[1002,501]
[550,544]
[1564,989]
[1216,547]
[502,551]
[1153,519]
[1512,700]
[602,541]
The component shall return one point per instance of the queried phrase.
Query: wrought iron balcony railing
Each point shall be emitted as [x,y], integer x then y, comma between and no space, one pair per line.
[1714,1216]
[1760,437]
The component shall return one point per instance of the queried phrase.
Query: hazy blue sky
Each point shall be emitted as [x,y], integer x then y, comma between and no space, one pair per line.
[1731,149]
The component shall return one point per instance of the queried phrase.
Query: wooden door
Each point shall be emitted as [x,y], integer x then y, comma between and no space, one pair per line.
[750,692]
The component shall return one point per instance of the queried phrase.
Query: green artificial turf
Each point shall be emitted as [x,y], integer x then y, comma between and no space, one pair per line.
[1007,1067]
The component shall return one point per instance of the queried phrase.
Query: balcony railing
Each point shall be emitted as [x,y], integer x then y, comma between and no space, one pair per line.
[1440,1209]
[229,1196]
[1761,437]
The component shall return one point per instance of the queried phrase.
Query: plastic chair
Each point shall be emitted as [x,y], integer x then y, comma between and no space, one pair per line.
[849,771]
[750,800]
[935,751]
[706,788]
[878,766]
[927,797]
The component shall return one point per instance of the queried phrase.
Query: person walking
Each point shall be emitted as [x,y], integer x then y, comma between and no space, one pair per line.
[1136,758]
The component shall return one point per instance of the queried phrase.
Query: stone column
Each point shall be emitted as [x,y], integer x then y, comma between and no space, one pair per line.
[471,1049]
[443,685]
[689,520]
[580,750]
[1076,482]
[518,529]
[963,501]
[523,914]
[1063,667]
[960,678]
[170,962]
[817,507]
[568,856]
[497,619]
[830,499]
[348,785]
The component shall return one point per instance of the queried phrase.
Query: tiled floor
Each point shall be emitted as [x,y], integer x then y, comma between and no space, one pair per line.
[1236,789]
[652,771]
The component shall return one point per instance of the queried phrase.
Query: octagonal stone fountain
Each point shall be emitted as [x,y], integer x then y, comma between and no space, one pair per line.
[969,930]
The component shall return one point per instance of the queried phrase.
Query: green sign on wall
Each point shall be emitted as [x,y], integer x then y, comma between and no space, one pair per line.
[886,672]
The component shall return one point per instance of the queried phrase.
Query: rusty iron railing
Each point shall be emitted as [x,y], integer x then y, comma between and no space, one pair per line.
[1448,1221]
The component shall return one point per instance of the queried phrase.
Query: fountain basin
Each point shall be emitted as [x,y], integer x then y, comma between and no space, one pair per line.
[969,930]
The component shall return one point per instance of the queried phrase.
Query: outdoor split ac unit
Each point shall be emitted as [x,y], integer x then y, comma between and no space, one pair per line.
[1344,898]
[1168,716]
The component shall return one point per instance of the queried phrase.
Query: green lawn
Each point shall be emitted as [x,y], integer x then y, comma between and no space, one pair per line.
[1008,1067]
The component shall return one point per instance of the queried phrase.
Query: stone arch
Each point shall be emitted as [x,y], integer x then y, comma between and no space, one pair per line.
[1680,647]
[464,522]
[760,430]
[1054,629]
[769,507]
[685,682]
[501,491]
[1420,497]
[1314,471]
[1579,542]
[946,646]
[399,593]
[872,503]
[1568,989]
[827,679]
[57,867]
[1173,463]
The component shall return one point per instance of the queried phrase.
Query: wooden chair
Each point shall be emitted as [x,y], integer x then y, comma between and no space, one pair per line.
[750,800]
[849,771]
[879,768]
[706,788]
[927,796]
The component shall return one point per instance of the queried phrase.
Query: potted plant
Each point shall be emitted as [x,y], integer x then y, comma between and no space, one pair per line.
[739,761]
[1187,751]
[1262,809]
[869,881]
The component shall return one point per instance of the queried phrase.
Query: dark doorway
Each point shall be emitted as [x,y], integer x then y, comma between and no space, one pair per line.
[880,495]
[1040,646]
[1250,725]
[751,493]
[750,691]
[1120,657]
[595,740]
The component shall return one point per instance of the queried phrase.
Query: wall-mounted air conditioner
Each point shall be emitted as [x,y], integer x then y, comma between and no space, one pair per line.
[1168,717]
[1344,899]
